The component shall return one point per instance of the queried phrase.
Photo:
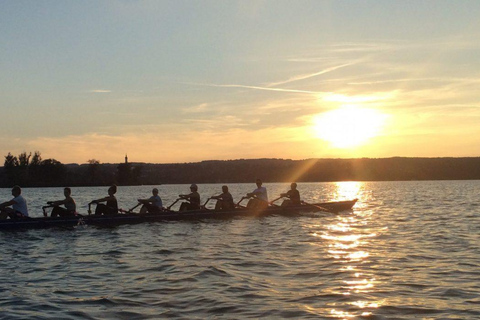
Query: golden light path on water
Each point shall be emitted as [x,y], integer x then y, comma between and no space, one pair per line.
[346,241]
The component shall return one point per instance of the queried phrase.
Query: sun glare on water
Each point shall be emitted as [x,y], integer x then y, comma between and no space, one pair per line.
[348,126]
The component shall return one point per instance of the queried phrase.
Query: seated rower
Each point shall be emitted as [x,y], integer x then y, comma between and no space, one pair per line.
[225,200]
[293,196]
[70,206]
[259,197]
[153,204]
[111,205]
[193,199]
[18,205]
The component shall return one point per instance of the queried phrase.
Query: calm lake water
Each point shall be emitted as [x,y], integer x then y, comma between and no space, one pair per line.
[408,250]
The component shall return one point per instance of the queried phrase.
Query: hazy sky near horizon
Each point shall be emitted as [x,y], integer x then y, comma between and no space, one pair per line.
[181,81]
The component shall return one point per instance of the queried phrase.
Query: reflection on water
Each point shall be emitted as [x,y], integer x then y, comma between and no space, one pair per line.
[408,250]
[346,239]
[347,190]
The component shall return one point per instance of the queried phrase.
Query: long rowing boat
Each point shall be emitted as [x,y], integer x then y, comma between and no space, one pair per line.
[134,218]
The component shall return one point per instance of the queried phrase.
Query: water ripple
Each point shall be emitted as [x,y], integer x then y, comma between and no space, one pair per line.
[400,254]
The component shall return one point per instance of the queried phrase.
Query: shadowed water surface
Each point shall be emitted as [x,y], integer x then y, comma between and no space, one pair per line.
[408,250]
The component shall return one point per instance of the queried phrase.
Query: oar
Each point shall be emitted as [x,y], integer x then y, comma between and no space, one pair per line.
[238,205]
[205,204]
[168,208]
[130,210]
[136,206]
[316,206]
[271,202]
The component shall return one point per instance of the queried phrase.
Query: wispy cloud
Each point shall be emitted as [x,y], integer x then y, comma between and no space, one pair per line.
[398,81]
[354,99]
[100,91]
[368,46]
[196,109]
[262,88]
[218,123]
[311,75]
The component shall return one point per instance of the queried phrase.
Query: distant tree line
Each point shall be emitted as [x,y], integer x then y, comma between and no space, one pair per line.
[30,170]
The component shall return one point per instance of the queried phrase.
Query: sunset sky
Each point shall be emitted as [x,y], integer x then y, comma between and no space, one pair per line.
[182,81]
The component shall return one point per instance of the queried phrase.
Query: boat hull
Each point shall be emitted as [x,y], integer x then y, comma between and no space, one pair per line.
[133,218]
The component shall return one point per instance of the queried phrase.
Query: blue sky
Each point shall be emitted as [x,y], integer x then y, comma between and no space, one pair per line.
[179,81]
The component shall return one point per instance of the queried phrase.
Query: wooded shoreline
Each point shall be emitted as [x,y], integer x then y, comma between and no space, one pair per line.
[242,170]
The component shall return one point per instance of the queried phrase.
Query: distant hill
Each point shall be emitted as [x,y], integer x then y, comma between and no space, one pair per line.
[314,170]
[269,170]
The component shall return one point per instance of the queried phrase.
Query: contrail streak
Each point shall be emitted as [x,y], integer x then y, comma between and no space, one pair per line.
[262,88]
[311,75]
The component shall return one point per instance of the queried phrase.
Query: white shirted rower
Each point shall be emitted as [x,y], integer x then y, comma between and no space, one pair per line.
[18,205]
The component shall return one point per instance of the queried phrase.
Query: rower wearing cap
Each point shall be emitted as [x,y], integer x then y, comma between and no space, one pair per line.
[193,199]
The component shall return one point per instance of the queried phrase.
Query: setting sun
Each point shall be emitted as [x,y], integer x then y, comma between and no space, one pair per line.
[348,126]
